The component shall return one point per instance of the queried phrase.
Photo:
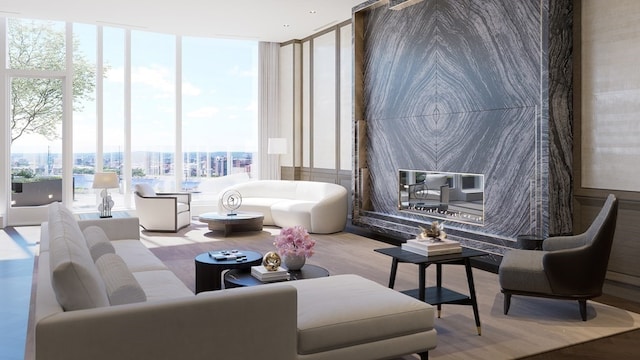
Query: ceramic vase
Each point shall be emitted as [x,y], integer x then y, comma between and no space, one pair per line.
[294,262]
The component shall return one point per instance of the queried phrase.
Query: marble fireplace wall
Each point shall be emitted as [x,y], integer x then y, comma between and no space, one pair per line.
[474,86]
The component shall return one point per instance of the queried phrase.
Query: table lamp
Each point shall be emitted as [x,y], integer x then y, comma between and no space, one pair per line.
[105,181]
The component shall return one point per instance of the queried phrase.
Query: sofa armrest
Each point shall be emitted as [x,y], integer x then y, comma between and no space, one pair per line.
[212,325]
[330,214]
[116,228]
[556,243]
[181,197]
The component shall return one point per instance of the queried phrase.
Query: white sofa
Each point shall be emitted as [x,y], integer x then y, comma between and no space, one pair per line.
[318,206]
[98,309]
[167,212]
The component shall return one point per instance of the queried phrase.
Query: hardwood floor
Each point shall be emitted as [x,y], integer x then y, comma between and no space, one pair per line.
[622,346]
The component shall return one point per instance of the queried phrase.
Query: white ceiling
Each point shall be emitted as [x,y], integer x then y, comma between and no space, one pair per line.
[262,20]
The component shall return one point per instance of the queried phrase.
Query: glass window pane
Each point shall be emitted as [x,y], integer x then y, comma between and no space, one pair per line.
[84,116]
[219,119]
[113,106]
[36,146]
[153,109]
[36,45]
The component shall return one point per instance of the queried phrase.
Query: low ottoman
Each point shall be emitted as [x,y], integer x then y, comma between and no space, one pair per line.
[350,317]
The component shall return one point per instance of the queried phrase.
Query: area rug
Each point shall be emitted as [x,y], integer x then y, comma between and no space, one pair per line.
[533,325]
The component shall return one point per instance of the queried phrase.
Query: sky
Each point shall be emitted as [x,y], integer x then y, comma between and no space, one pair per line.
[219,94]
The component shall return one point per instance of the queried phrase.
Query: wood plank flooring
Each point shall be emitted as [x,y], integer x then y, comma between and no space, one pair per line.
[621,346]
[348,254]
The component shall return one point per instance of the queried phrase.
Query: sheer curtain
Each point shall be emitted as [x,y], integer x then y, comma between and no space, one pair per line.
[268,108]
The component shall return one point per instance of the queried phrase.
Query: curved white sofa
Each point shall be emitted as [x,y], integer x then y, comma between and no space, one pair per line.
[318,206]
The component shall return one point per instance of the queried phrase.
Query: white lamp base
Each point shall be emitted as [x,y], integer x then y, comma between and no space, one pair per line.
[107,203]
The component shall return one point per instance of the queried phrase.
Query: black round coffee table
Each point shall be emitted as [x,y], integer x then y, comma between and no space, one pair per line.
[242,277]
[209,270]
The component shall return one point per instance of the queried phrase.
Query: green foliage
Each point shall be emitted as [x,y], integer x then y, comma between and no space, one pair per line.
[23,173]
[83,170]
[112,169]
[24,180]
[36,103]
[137,172]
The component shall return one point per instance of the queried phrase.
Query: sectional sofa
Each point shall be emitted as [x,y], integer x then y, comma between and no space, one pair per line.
[101,294]
[318,206]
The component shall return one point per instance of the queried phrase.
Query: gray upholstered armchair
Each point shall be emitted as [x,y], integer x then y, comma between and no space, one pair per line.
[162,211]
[569,267]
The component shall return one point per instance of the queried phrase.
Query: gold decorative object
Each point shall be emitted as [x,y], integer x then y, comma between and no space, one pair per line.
[271,261]
[435,232]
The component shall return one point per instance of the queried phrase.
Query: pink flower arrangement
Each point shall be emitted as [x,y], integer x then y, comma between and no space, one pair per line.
[294,241]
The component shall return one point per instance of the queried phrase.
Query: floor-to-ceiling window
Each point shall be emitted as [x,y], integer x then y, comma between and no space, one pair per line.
[153,115]
[36,70]
[84,117]
[124,114]
[219,112]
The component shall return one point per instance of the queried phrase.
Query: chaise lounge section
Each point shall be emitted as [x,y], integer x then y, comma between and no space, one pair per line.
[136,308]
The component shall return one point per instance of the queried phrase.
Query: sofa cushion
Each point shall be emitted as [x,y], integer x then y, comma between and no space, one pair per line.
[145,190]
[347,310]
[522,270]
[288,213]
[74,276]
[137,256]
[161,285]
[122,287]
[97,242]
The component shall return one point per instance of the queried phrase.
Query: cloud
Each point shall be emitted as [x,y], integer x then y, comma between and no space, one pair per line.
[242,73]
[155,76]
[204,112]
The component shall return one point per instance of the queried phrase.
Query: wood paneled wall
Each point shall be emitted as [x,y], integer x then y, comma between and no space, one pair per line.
[607,130]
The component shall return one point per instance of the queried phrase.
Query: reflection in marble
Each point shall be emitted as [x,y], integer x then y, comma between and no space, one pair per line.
[463,86]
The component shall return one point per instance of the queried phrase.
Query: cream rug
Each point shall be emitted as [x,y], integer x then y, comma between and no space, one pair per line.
[532,326]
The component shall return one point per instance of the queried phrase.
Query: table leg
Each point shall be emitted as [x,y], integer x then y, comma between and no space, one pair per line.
[472,293]
[394,270]
[439,285]
[207,278]
[422,268]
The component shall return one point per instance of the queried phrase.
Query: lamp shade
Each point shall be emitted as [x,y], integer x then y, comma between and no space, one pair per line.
[105,180]
[277,146]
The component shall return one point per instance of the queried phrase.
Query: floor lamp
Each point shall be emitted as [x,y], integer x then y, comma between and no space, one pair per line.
[105,181]
[277,146]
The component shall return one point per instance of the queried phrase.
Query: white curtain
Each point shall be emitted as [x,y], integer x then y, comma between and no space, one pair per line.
[268,109]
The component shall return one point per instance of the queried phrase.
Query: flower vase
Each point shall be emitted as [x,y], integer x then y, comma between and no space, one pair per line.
[294,262]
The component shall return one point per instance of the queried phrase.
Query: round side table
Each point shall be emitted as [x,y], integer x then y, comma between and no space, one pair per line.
[209,270]
[243,277]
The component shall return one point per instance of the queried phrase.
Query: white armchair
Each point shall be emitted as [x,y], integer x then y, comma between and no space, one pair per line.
[162,211]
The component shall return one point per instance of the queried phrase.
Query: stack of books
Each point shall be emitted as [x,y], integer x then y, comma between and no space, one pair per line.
[432,246]
[261,273]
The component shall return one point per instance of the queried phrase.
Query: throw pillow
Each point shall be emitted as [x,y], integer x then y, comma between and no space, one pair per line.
[145,190]
[74,276]
[122,286]
[97,242]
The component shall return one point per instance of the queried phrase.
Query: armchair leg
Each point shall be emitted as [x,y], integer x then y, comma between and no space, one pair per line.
[507,302]
[583,309]
[424,355]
